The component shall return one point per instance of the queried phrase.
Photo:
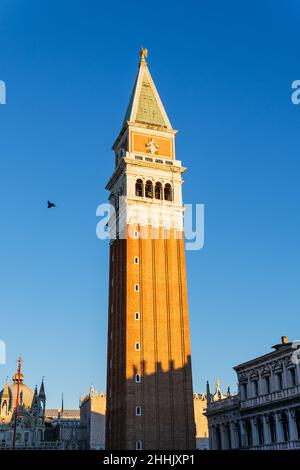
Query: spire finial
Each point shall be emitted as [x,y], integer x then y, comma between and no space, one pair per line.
[143,55]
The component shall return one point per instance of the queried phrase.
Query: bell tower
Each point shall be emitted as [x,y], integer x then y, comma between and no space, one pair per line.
[149,378]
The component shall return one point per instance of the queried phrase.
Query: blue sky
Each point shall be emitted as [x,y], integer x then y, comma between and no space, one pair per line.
[224,72]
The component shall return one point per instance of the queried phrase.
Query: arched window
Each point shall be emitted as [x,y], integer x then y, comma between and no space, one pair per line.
[297,417]
[244,394]
[227,431]
[260,431]
[138,410]
[137,315]
[149,189]
[139,188]
[138,445]
[168,192]
[218,438]
[137,346]
[137,378]
[5,407]
[285,427]
[158,191]
[272,427]
[292,375]
[249,434]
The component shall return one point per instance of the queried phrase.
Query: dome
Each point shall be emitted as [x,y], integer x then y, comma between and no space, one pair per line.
[25,393]
[25,397]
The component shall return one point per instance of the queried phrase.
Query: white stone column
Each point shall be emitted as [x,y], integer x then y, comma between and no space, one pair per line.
[260,384]
[243,433]
[298,372]
[212,438]
[285,376]
[272,381]
[249,388]
[232,435]
[279,433]
[255,441]
[291,413]
[266,428]
[224,439]
[238,434]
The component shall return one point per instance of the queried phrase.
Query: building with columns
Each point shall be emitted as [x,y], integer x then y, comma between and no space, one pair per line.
[149,377]
[265,414]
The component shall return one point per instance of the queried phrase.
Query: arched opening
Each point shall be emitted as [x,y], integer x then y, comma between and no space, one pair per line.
[292,376]
[5,407]
[249,434]
[138,445]
[168,192]
[285,427]
[228,436]
[244,394]
[238,433]
[260,431]
[218,438]
[297,416]
[272,428]
[158,191]
[149,189]
[137,378]
[139,188]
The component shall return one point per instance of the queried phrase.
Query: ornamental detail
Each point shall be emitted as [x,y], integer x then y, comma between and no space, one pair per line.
[152,147]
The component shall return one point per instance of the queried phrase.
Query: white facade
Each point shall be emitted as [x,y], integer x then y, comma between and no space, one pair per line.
[265,414]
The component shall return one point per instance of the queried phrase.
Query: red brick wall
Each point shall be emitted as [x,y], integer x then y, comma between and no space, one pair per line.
[165,392]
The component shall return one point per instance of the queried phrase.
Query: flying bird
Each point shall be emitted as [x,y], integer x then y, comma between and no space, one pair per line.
[50,204]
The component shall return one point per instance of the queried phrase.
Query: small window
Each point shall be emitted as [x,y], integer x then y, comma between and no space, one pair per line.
[137,315]
[159,161]
[138,445]
[136,287]
[139,188]
[137,346]
[279,380]
[168,192]
[136,260]
[158,191]
[255,388]
[267,384]
[137,378]
[138,410]
[136,234]
[292,373]
[149,189]
[244,392]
